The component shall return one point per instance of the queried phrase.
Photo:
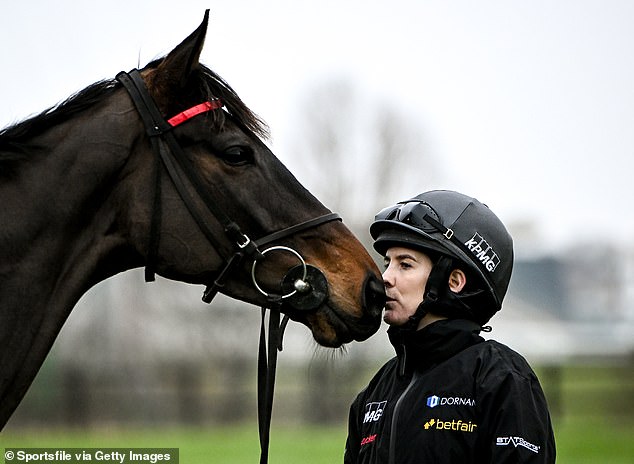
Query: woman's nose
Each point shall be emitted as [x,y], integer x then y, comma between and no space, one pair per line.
[388,277]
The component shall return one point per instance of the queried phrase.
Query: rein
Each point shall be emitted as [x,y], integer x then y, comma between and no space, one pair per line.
[307,286]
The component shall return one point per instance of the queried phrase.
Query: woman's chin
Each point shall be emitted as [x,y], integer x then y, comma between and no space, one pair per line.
[389,317]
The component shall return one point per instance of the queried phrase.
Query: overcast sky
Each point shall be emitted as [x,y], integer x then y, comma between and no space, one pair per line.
[529,105]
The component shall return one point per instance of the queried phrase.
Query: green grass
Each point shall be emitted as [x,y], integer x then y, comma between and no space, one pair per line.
[227,444]
[593,408]
[593,440]
[579,441]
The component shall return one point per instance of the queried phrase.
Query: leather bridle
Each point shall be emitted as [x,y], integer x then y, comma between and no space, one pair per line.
[306,285]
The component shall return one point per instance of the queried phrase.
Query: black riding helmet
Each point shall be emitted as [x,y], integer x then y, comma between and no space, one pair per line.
[452,225]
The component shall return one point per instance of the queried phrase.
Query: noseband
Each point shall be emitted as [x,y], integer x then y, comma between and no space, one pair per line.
[306,284]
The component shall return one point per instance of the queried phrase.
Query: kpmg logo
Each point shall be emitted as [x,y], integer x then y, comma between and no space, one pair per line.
[374,411]
[433,401]
[483,252]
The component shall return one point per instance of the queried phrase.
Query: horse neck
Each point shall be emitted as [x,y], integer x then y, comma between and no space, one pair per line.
[59,236]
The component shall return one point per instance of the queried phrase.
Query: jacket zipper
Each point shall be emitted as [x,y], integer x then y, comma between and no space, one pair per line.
[392,451]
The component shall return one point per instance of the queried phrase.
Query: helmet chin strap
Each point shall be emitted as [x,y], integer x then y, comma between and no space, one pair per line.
[435,288]
[439,299]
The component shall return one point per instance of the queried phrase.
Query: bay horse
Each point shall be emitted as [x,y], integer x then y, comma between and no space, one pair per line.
[102,183]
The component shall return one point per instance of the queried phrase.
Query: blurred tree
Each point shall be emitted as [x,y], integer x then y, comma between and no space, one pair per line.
[357,152]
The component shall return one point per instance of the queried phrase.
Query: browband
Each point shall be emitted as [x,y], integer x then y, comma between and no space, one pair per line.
[194,111]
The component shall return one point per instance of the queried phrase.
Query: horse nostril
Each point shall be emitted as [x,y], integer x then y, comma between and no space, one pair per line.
[373,296]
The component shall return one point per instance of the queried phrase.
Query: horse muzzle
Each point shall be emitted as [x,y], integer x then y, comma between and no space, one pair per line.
[304,291]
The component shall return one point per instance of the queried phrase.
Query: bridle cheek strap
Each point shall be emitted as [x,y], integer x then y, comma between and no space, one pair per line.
[183,175]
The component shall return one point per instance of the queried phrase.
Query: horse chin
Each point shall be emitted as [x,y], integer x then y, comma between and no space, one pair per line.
[326,331]
[331,330]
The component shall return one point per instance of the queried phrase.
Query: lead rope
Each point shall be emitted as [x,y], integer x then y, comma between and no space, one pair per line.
[267,364]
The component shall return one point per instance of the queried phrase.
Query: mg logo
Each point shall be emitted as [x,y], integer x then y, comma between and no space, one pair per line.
[373,411]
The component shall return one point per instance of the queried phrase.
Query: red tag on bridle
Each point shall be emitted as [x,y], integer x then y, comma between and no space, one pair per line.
[194,111]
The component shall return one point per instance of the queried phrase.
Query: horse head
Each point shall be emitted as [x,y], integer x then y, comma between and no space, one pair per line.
[220,209]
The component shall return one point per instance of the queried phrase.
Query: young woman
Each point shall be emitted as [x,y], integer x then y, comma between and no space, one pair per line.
[448,396]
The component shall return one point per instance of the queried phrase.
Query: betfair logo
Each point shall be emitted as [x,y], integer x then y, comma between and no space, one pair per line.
[429,424]
[455,425]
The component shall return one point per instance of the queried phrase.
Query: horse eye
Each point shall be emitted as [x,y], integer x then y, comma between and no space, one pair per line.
[237,155]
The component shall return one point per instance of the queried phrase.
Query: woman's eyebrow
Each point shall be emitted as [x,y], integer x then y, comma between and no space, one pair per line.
[403,256]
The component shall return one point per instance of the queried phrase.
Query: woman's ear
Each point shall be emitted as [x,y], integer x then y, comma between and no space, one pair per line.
[457,280]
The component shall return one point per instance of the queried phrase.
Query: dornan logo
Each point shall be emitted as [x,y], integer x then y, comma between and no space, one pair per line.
[483,251]
[373,411]
[433,401]
[516,441]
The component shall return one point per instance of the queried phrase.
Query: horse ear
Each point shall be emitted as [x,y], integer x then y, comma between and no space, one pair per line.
[180,62]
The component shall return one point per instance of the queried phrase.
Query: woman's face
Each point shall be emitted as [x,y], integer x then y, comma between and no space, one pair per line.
[405,278]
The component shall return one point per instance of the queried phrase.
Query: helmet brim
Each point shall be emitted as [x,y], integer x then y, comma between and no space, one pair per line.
[388,233]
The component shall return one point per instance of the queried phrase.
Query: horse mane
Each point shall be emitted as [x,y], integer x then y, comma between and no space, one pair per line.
[14,140]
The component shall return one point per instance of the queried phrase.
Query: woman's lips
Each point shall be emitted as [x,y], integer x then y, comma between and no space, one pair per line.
[388,301]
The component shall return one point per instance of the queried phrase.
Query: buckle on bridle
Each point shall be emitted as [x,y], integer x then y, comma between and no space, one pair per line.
[245,242]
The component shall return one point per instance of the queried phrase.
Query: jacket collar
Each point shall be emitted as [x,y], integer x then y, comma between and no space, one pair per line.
[434,343]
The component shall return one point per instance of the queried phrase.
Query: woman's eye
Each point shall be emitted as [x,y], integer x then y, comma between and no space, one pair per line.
[237,155]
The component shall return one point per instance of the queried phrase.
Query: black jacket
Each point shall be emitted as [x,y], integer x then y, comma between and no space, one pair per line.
[449,396]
